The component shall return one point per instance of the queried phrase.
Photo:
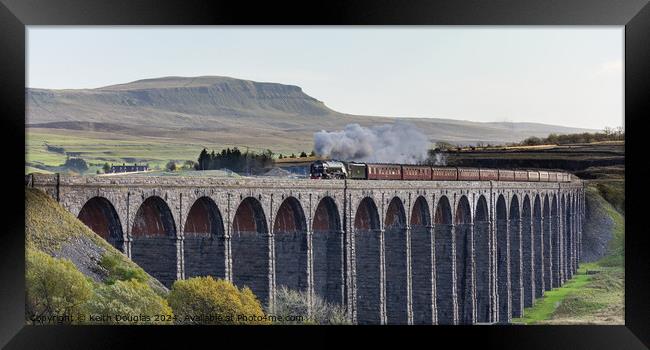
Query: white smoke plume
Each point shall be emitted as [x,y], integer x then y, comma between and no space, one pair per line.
[399,142]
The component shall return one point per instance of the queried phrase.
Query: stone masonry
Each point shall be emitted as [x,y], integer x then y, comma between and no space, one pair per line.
[391,252]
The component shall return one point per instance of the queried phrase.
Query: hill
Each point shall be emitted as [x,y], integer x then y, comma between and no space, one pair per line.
[172,118]
[223,104]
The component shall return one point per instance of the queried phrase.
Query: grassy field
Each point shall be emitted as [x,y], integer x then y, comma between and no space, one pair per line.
[97,148]
[597,297]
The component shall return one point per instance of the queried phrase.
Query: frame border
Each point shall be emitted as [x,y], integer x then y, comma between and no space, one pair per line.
[15,15]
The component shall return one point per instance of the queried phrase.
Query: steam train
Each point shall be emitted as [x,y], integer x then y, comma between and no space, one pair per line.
[333,169]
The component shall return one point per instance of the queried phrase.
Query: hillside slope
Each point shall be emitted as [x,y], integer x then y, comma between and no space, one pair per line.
[220,107]
[52,229]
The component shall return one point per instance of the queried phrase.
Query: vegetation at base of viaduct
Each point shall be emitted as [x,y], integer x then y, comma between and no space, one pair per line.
[596,293]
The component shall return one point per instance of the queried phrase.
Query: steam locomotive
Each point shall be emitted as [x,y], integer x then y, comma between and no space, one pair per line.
[334,169]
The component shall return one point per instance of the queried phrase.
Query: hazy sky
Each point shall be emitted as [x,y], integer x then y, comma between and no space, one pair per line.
[569,76]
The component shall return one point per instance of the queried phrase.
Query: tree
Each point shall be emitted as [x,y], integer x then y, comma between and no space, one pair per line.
[189,164]
[291,307]
[54,288]
[204,159]
[171,166]
[129,298]
[312,154]
[293,155]
[280,156]
[106,168]
[303,154]
[204,300]
[77,164]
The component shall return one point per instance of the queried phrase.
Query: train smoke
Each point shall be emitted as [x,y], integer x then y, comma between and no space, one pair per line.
[399,142]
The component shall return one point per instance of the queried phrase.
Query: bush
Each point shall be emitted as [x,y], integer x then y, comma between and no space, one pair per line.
[54,288]
[76,164]
[171,166]
[119,271]
[291,307]
[128,302]
[204,300]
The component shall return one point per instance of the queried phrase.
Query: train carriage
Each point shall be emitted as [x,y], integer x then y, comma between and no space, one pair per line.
[444,174]
[384,172]
[469,174]
[543,176]
[488,174]
[415,172]
[506,175]
[552,176]
[533,176]
[521,175]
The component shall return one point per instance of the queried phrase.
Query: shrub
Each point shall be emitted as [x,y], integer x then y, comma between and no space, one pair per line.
[76,164]
[171,166]
[119,271]
[54,288]
[128,302]
[291,307]
[204,300]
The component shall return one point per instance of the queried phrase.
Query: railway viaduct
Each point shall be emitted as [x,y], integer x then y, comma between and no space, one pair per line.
[391,252]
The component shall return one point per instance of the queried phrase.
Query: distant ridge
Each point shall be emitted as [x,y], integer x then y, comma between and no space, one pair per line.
[233,106]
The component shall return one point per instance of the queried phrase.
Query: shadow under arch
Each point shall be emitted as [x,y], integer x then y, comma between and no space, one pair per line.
[250,248]
[555,242]
[482,258]
[422,263]
[445,259]
[546,242]
[538,248]
[99,214]
[367,262]
[328,252]
[290,244]
[153,245]
[464,289]
[203,242]
[502,261]
[516,290]
[396,263]
[527,273]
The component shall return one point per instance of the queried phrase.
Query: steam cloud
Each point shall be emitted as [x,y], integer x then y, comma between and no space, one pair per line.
[399,142]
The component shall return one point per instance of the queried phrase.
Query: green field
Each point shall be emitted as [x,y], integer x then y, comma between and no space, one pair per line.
[97,148]
[597,297]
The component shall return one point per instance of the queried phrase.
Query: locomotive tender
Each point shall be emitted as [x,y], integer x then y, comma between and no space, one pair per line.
[365,171]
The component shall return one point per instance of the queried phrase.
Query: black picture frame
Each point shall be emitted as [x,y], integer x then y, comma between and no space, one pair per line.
[15,15]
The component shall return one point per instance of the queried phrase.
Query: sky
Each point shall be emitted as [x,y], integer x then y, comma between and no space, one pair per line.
[571,76]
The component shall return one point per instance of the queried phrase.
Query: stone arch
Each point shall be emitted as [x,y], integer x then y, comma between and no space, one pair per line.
[368,262]
[555,242]
[250,246]
[328,252]
[546,242]
[464,289]
[482,257]
[396,263]
[515,258]
[422,263]
[99,214]
[290,244]
[527,274]
[153,245]
[445,263]
[503,260]
[203,240]
[538,247]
